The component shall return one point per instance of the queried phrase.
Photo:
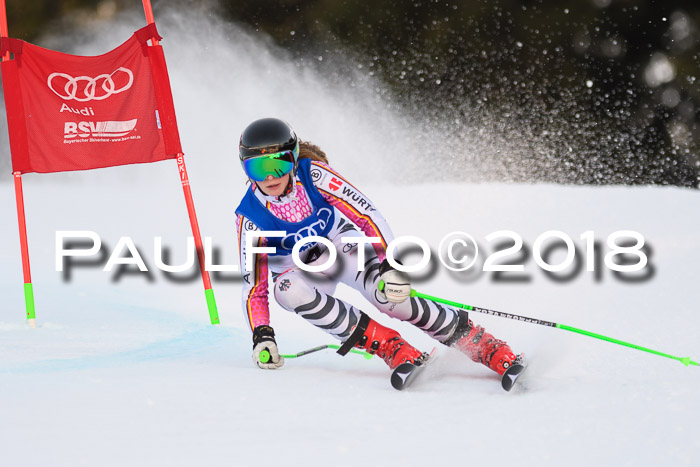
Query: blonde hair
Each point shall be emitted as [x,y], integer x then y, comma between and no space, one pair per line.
[309,150]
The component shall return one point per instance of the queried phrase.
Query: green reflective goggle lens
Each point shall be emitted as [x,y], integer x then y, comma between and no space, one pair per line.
[277,165]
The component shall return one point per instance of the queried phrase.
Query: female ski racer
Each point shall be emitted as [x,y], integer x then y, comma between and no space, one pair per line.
[293,189]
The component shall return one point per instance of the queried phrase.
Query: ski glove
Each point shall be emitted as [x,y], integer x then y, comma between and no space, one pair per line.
[397,284]
[265,353]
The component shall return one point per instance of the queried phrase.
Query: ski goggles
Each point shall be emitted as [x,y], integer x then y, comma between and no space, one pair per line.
[277,164]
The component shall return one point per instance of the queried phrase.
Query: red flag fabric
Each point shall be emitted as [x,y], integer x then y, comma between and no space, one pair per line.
[67,112]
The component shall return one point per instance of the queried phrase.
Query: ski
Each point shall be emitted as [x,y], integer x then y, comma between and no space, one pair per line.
[406,373]
[513,373]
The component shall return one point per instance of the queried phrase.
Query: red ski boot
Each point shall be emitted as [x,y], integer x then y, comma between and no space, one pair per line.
[481,346]
[386,343]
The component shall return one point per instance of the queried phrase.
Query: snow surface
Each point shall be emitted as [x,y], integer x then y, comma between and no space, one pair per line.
[132,373]
[129,372]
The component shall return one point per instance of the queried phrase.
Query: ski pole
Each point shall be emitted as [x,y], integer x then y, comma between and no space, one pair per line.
[265,355]
[684,360]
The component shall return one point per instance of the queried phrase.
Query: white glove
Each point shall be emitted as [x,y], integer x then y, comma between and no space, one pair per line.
[397,284]
[265,353]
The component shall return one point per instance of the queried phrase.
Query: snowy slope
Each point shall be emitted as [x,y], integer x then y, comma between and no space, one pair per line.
[129,372]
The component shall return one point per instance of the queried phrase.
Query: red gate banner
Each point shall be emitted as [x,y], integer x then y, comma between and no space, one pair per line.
[67,112]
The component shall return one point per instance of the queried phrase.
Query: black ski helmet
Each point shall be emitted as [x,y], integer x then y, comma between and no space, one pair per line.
[267,136]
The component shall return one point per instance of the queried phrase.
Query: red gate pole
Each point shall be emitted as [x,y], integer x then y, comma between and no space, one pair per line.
[19,197]
[28,290]
[184,179]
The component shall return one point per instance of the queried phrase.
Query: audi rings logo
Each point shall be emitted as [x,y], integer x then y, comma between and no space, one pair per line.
[312,230]
[85,88]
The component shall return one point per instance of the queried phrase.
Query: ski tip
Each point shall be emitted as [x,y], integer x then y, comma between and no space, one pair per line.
[402,375]
[511,376]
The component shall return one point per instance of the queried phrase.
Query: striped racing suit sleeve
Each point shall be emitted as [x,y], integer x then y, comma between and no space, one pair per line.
[255,282]
[342,195]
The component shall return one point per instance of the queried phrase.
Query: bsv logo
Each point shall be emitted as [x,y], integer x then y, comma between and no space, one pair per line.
[98,129]
[85,88]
